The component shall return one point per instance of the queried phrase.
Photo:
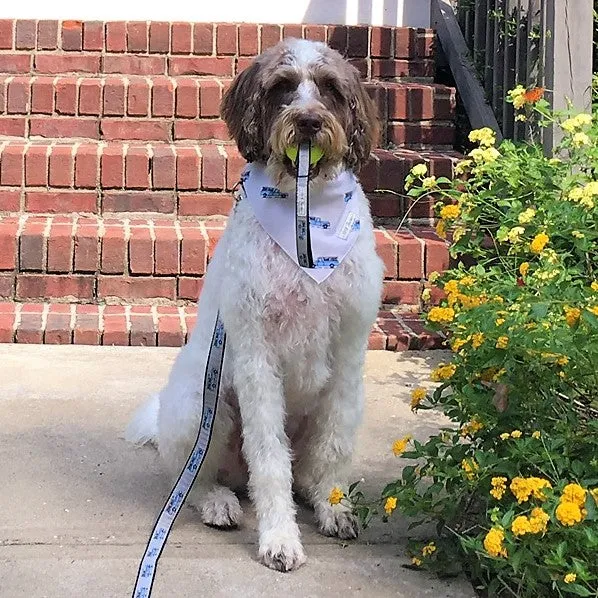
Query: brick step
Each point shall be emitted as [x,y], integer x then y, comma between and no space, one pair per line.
[221,49]
[94,260]
[178,179]
[166,326]
[168,108]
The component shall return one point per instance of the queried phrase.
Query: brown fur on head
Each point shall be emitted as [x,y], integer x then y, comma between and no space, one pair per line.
[301,91]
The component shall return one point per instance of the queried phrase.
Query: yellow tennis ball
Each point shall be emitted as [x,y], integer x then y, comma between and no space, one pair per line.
[315,154]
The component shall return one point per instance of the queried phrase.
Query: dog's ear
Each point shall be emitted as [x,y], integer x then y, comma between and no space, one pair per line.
[241,112]
[363,128]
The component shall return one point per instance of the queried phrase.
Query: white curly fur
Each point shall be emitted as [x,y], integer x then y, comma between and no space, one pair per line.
[292,382]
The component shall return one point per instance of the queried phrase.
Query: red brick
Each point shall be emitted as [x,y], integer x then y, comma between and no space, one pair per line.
[8,243]
[170,331]
[90,97]
[86,245]
[140,249]
[60,246]
[62,166]
[316,33]
[163,168]
[436,252]
[114,249]
[159,37]
[369,174]
[36,166]
[163,97]
[134,65]
[358,41]
[6,34]
[416,134]
[292,31]
[181,38]
[15,63]
[58,64]
[143,130]
[213,172]
[138,97]
[338,37]
[137,36]
[270,35]
[18,96]
[42,95]
[116,37]
[226,39]
[193,249]
[248,39]
[385,205]
[54,286]
[191,318]
[114,96]
[187,98]
[411,256]
[87,325]
[405,42]
[391,171]
[387,250]
[58,325]
[93,36]
[189,288]
[210,97]
[30,327]
[13,127]
[205,204]
[381,42]
[25,35]
[203,38]
[143,333]
[377,341]
[66,96]
[115,326]
[10,201]
[136,201]
[214,236]
[201,65]
[137,168]
[139,287]
[234,167]
[167,249]
[47,35]
[243,62]
[112,166]
[72,35]
[402,292]
[7,315]
[188,168]
[12,165]
[200,130]
[65,127]
[60,202]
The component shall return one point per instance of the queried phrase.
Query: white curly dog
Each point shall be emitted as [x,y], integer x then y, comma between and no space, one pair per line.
[292,393]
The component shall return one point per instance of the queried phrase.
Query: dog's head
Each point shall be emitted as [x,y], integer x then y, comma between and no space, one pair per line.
[295,92]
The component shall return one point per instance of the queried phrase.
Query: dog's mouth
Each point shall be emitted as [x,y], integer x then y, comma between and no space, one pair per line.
[314,169]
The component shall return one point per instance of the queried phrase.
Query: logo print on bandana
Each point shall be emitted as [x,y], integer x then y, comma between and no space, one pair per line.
[273,193]
[326,262]
[319,223]
[348,196]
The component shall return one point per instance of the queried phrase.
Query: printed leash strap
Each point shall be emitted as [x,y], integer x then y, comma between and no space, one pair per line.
[168,515]
[304,255]
[147,568]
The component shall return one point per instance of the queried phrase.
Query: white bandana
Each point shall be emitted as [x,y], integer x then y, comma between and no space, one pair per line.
[333,217]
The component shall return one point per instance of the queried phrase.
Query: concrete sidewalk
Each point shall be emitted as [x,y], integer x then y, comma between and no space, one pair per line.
[77,502]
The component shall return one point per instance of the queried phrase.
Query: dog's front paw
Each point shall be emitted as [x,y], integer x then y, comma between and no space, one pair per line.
[282,551]
[220,508]
[337,521]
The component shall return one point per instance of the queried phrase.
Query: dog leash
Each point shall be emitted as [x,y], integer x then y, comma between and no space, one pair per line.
[213,373]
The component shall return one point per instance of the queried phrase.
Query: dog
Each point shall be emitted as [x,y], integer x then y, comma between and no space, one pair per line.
[292,394]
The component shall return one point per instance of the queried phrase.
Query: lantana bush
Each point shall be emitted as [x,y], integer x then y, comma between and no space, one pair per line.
[511,485]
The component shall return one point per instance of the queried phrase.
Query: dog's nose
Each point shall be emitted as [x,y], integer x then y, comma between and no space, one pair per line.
[309,125]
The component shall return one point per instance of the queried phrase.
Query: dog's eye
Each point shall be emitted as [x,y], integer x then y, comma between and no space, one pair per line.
[332,89]
[283,86]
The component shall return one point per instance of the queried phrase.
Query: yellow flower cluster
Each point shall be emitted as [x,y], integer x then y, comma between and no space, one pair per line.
[485,136]
[572,315]
[499,487]
[462,166]
[450,212]
[570,578]
[594,286]
[471,428]
[429,182]
[526,216]
[477,339]
[493,542]
[517,96]
[399,446]
[470,467]
[577,122]
[417,396]
[571,505]
[415,561]
[390,505]
[536,523]
[584,195]
[539,242]
[580,139]
[523,488]
[502,342]
[419,170]
[443,372]
[336,495]
[442,315]
[429,549]
[524,268]
[484,155]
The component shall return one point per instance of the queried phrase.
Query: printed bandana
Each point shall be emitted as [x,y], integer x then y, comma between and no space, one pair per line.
[333,217]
